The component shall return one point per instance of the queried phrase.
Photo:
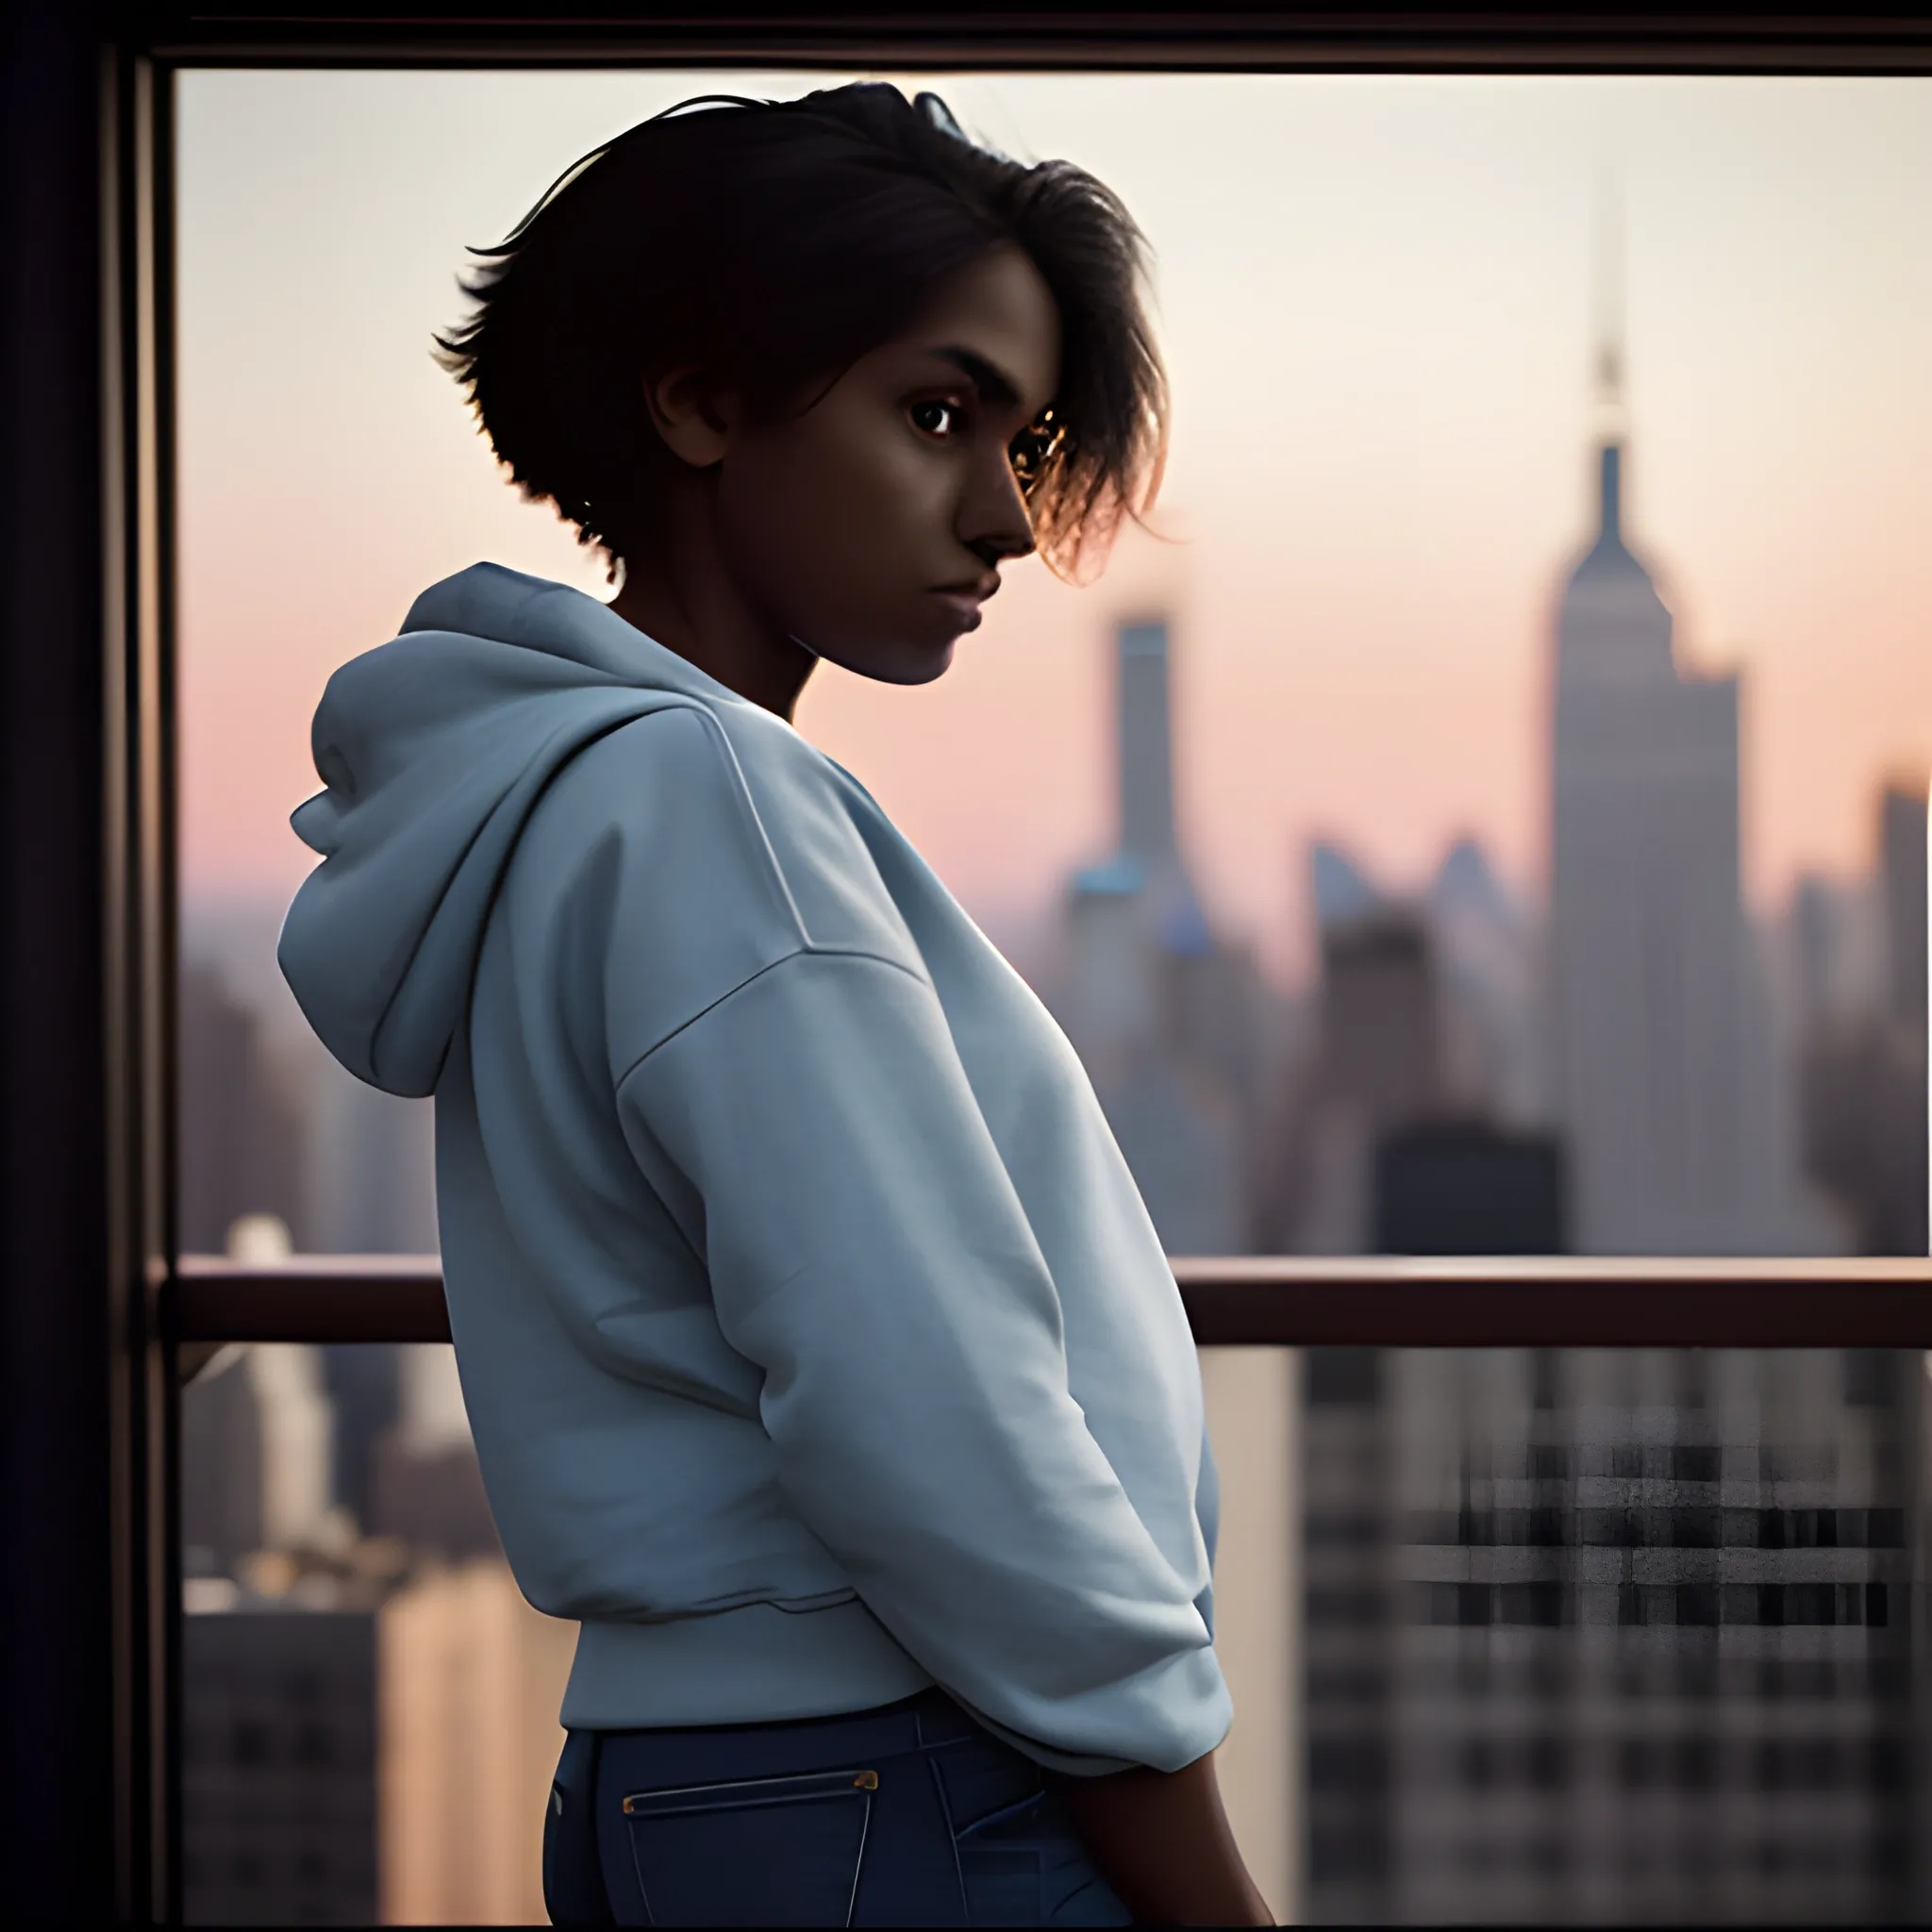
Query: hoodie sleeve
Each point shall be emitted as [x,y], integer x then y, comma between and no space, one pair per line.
[868,1252]
[1207,1513]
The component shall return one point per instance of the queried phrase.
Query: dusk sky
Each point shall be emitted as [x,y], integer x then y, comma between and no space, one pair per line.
[1377,307]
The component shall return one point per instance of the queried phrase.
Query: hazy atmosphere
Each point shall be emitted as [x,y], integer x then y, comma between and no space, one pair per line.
[1520,850]
[1379,308]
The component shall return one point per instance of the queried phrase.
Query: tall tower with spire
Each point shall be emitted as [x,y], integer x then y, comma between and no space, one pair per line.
[1663,1047]
[1154,1003]
[1143,717]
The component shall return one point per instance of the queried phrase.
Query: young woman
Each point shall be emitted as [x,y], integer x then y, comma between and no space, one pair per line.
[821,1358]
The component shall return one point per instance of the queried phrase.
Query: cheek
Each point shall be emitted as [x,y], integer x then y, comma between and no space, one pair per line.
[828,528]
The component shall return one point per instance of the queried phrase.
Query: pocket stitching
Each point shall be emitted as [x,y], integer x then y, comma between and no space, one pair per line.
[836,1784]
[1003,1814]
[938,1784]
[859,1862]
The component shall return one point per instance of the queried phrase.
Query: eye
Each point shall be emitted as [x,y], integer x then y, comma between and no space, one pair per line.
[1034,448]
[938,417]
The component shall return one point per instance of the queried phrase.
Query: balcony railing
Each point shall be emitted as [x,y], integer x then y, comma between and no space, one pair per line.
[1473,1302]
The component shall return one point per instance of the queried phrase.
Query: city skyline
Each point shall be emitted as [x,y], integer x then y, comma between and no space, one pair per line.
[1576,1630]
[1381,463]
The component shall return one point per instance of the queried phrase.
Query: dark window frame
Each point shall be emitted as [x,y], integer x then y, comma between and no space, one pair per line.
[102,1312]
[1237,1301]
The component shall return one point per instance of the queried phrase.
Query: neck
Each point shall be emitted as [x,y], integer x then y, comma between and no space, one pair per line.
[677,589]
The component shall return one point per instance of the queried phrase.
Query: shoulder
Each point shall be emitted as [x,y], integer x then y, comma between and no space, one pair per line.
[678,744]
[663,797]
[703,757]
[643,887]
[708,810]
[759,797]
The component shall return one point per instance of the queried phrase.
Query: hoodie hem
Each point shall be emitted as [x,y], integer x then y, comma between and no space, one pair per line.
[755,1665]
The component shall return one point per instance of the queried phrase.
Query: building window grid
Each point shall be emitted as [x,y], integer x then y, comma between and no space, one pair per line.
[1741,1745]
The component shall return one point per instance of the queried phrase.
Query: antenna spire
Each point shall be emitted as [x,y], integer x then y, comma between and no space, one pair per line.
[1608,300]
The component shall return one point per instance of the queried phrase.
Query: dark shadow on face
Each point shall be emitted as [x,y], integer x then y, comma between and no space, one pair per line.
[870,525]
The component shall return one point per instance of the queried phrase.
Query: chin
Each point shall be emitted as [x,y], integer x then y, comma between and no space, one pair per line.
[897,663]
[924,667]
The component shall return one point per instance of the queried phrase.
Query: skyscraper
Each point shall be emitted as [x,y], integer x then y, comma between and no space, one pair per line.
[1159,1011]
[1418,1050]
[1627,1635]
[1144,731]
[243,1146]
[1902,873]
[278,1761]
[1863,1046]
[1665,1080]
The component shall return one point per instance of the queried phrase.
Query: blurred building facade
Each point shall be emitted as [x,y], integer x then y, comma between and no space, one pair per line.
[1609,1636]
[278,1767]
[1165,1015]
[270,1125]
[243,1148]
[1613,1636]
[1417,1077]
[1620,1636]
[471,1681]
[369,1705]
[1861,1035]
[1666,1078]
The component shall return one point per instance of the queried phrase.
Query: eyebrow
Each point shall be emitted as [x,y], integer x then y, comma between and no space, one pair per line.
[994,384]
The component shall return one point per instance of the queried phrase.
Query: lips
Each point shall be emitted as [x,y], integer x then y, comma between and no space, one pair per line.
[965,599]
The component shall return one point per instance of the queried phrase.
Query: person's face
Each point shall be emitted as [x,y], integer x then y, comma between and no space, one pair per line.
[871,526]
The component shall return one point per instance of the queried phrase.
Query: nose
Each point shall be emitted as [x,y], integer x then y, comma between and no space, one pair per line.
[994,520]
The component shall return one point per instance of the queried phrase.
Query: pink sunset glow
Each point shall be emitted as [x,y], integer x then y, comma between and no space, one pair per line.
[1376,297]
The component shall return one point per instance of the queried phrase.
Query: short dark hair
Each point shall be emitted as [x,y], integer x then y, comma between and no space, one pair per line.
[776,243]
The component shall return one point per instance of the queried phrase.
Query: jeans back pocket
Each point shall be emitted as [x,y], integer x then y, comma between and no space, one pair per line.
[1024,1864]
[766,1851]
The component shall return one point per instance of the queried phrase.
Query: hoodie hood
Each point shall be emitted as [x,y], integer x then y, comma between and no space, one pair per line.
[433,751]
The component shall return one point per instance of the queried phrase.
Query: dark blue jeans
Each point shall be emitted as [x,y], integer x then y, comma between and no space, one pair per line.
[909,1815]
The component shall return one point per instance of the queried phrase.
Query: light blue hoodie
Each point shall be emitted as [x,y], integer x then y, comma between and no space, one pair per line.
[816,1343]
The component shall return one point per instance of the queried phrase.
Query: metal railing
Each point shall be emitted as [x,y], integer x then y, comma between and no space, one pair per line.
[1454,1302]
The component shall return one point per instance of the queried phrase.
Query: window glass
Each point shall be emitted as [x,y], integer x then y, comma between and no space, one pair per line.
[1484,813]
[1522,1635]
[1614,1636]
[369,1705]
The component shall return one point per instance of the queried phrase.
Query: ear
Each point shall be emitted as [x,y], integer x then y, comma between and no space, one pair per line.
[694,419]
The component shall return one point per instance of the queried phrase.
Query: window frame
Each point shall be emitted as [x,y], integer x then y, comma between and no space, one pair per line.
[91,1192]
[1267,1301]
